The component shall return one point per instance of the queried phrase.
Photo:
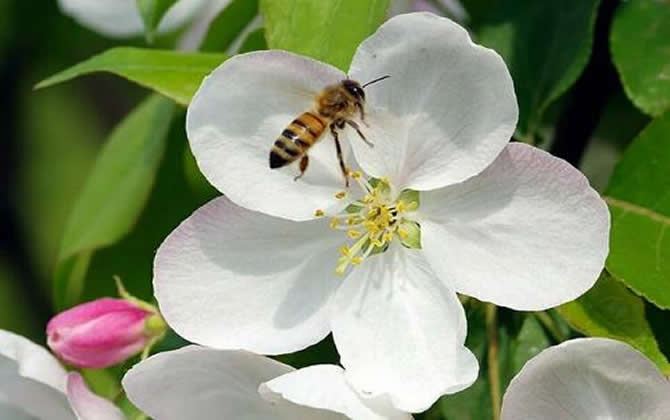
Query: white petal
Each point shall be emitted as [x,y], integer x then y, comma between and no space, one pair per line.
[230,278]
[197,383]
[400,331]
[238,113]
[325,387]
[121,19]
[32,379]
[446,112]
[528,233]
[86,404]
[195,34]
[591,378]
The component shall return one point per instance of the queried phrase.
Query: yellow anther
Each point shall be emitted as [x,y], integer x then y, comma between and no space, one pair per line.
[344,250]
[356,174]
[401,206]
[334,222]
[402,233]
[376,242]
[356,260]
[371,227]
[340,195]
[319,213]
[368,199]
[387,237]
[351,220]
[385,180]
[353,234]
[413,205]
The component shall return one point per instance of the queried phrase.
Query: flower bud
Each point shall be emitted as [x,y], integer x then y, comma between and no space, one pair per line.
[104,332]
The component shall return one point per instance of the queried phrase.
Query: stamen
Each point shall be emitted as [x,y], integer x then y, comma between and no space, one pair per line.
[353,234]
[319,213]
[340,195]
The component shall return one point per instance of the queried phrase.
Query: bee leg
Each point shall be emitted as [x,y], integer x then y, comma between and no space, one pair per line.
[304,161]
[358,130]
[338,147]
[362,112]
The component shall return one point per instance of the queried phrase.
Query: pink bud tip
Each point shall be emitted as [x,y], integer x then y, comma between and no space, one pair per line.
[100,333]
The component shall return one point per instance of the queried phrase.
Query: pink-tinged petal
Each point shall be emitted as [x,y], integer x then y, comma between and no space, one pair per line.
[198,383]
[325,387]
[528,233]
[88,311]
[590,378]
[400,331]
[99,334]
[237,114]
[31,379]
[447,111]
[230,278]
[86,404]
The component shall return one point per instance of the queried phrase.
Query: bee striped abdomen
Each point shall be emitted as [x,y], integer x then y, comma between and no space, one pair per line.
[296,139]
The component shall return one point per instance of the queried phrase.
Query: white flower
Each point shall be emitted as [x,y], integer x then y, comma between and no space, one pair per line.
[508,224]
[588,379]
[201,384]
[33,385]
[121,18]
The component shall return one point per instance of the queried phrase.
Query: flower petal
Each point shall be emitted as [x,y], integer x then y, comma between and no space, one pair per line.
[325,387]
[121,19]
[238,113]
[590,378]
[400,331]
[528,233]
[86,404]
[201,384]
[446,112]
[31,379]
[230,278]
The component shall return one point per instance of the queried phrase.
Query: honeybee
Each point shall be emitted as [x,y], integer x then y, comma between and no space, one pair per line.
[334,108]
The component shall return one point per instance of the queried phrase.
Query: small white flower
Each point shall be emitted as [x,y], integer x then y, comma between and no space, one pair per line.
[33,385]
[121,18]
[509,224]
[201,384]
[588,379]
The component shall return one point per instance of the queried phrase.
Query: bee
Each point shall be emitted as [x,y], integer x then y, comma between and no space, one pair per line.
[334,108]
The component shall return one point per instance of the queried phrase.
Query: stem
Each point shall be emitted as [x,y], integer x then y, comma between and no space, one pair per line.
[548,322]
[492,359]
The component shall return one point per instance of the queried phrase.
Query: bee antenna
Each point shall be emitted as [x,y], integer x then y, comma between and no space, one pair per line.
[379,79]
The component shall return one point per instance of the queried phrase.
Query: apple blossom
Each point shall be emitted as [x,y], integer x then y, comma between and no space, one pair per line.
[441,204]
[104,332]
[201,384]
[589,379]
[33,385]
[121,18]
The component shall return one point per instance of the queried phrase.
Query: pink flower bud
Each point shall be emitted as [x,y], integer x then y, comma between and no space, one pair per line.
[103,332]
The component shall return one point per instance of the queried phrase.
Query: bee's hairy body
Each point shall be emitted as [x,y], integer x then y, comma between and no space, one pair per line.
[334,108]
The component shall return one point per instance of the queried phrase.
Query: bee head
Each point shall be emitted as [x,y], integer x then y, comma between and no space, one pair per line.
[354,88]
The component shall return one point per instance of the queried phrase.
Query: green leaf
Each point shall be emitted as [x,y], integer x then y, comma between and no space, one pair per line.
[546,45]
[228,25]
[640,44]
[610,310]
[328,31]
[255,41]
[176,75]
[639,199]
[152,11]
[114,195]
[520,337]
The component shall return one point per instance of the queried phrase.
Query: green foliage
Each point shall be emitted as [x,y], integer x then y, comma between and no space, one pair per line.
[227,26]
[639,199]
[176,75]
[640,43]
[610,310]
[519,339]
[328,31]
[255,41]
[152,11]
[546,45]
[114,194]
